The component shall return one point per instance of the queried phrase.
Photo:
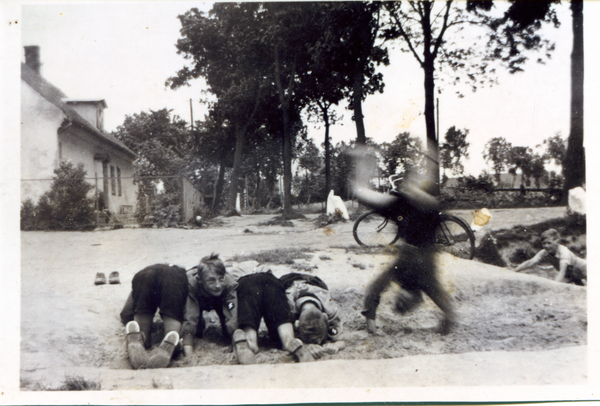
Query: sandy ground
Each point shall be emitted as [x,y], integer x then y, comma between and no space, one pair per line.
[513,329]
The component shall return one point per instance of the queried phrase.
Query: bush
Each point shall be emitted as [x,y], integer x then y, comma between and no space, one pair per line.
[65,206]
[167,210]
[28,213]
[483,183]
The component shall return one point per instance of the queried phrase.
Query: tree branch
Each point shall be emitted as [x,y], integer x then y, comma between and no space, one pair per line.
[438,41]
[404,34]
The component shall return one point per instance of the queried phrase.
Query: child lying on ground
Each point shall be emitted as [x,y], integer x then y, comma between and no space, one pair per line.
[181,298]
[261,295]
[163,287]
[316,317]
[211,287]
[570,267]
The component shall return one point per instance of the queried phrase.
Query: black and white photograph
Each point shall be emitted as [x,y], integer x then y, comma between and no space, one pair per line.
[298,202]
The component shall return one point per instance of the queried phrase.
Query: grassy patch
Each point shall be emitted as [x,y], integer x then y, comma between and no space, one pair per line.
[71,383]
[276,256]
[79,383]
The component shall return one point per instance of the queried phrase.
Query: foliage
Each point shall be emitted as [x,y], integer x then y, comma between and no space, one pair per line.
[65,206]
[167,210]
[423,28]
[497,152]
[28,220]
[401,155]
[516,32]
[312,183]
[454,149]
[556,149]
[483,182]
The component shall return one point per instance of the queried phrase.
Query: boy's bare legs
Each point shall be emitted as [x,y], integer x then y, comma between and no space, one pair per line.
[290,343]
[138,357]
[242,346]
[161,356]
[252,339]
[145,323]
[371,326]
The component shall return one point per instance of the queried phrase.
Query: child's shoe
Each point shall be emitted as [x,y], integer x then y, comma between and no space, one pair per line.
[301,353]
[113,278]
[162,355]
[242,350]
[100,279]
[138,357]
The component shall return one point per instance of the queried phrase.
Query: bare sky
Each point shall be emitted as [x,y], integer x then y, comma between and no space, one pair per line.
[124,51]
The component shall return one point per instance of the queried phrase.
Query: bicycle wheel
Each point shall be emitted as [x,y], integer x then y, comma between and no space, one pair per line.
[453,235]
[372,229]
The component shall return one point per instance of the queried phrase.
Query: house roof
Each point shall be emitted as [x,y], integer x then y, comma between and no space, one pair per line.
[94,101]
[55,96]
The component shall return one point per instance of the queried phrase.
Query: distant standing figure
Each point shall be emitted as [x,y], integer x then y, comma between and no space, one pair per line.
[571,268]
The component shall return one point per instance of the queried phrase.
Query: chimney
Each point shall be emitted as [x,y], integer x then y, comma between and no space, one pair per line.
[32,58]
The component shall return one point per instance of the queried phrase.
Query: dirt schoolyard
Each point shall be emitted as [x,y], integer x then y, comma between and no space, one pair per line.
[513,328]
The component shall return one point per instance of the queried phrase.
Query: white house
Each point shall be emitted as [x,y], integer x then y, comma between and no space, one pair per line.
[54,127]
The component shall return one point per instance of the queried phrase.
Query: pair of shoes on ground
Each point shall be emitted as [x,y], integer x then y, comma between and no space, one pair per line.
[113,278]
[159,357]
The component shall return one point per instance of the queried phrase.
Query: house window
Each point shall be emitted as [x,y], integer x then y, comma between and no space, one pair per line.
[113,184]
[119,180]
[100,119]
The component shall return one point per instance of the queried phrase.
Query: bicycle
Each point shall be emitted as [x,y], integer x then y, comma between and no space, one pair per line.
[379,227]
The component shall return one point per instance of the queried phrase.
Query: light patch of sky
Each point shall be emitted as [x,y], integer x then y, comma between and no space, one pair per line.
[120,52]
[525,108]
[124,51]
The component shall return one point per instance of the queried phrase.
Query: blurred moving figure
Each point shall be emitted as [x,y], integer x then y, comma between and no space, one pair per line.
[414,267]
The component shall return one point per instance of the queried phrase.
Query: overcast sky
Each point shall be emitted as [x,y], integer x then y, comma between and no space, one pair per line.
[124,52]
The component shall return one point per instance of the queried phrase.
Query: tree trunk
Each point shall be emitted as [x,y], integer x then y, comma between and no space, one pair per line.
[240,135]
[257,192]
[287,163]
[219,185]
[429,83]
[574,165]
[287,132]
[327,156]
[361,137]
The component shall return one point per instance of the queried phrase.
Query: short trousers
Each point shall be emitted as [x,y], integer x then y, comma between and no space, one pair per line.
[575,275]
[261,295]
[163,287]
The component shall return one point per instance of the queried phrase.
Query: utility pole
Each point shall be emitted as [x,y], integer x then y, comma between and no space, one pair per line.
[437,135]
[192,115]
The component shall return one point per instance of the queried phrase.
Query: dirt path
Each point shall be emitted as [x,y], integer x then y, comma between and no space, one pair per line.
[513,326]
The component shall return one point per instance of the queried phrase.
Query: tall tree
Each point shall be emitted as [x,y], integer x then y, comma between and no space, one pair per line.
[358,26]
[163,144]
[225,49]
[556,149]
[574,164]
[521,159]
[400,155]
[497,153]
[423,26]
[454,150]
